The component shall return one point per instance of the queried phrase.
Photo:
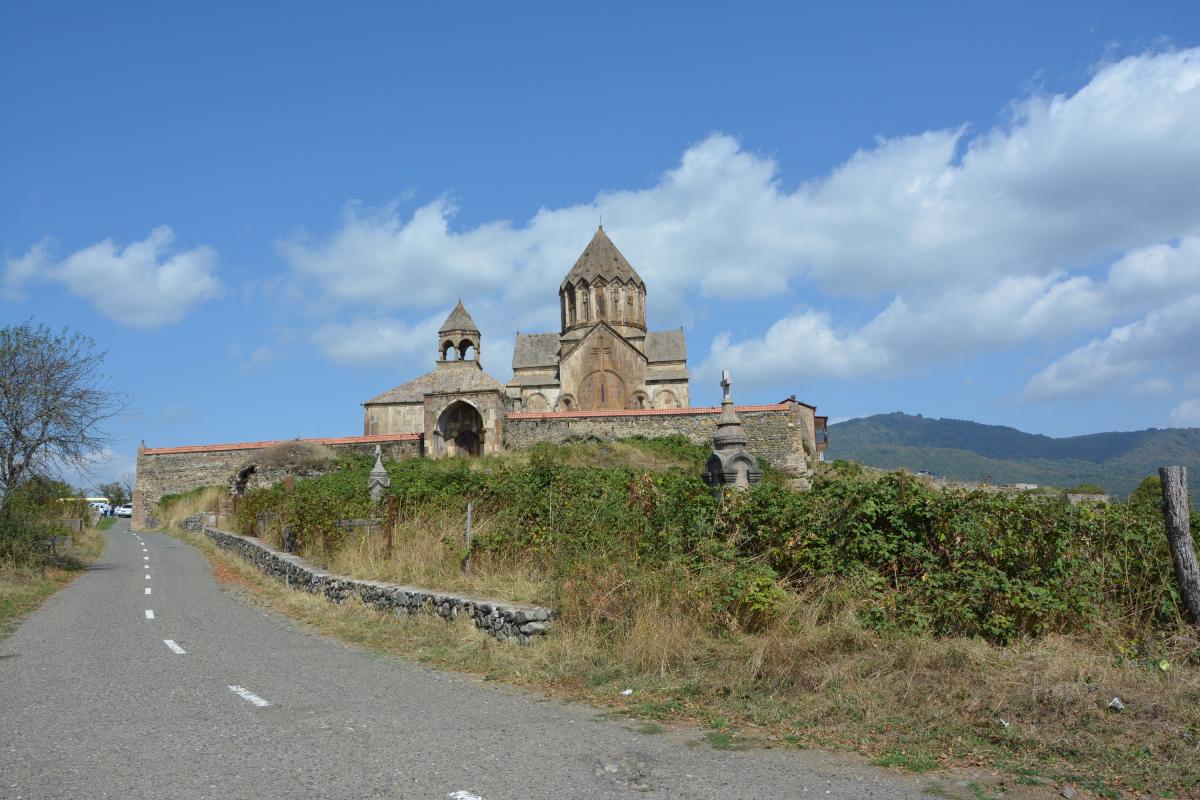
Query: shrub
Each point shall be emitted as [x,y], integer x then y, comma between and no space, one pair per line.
[920,559]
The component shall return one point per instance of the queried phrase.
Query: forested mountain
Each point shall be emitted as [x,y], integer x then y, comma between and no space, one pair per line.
[962,450]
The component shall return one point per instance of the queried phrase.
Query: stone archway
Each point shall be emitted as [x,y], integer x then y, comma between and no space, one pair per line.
[602,390]
[461,429]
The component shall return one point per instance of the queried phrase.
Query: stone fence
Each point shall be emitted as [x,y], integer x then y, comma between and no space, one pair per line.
[510,622]
[175,470]
[782,434]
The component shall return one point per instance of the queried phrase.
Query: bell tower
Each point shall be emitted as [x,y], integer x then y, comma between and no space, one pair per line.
[459,339]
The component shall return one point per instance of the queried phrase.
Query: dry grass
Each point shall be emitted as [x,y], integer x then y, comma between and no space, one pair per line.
[811,676]
[22,589]
[428,551]
[206,499]
[297,454]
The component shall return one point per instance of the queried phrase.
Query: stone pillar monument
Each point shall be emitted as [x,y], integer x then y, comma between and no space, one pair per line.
[378,481]
[730,464]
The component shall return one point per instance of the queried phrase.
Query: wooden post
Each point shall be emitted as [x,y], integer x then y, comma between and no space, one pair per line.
[1179,536]
[467,557]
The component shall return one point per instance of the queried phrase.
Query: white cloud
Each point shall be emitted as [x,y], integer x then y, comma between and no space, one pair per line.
[968,242]
[141,284]
[1186,414]
[1164,336]
[378,341]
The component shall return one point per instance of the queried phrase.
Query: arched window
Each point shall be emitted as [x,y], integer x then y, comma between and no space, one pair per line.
[600,304]
[449,351]
[467,349]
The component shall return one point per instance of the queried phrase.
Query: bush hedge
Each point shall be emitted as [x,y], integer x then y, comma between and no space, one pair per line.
[922,560]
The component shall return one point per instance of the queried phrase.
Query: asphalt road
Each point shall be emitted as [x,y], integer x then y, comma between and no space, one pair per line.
[143,679]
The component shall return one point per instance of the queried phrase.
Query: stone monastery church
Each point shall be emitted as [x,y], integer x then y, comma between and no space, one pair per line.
[602,359]
[604,375]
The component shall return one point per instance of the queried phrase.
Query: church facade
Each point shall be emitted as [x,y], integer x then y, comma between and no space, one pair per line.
[457,406]
[603,358]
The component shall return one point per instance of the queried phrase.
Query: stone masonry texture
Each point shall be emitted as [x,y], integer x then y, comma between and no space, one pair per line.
[175,470]
[781,436]
[516,623]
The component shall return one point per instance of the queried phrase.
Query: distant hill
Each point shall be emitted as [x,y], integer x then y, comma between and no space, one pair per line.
[968,451]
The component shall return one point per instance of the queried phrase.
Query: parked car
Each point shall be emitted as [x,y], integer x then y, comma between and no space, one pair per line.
[125,510]
[104,508]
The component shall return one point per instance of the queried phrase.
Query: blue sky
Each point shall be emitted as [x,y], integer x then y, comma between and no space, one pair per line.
[262,211]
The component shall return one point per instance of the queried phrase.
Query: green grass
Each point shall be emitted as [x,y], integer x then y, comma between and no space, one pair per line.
[910,760]
[106,523]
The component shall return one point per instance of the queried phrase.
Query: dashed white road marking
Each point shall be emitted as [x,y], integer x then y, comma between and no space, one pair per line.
[246,694]
[147,590]
[145,558]
[149,613]
[174,648]
[147,576]
[463,794]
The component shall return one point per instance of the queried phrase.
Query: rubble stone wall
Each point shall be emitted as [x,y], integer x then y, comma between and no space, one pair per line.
[781,435]
[517,623]
[175,470]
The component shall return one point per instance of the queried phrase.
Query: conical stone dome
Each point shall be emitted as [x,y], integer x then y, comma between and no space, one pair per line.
[459,321]
[603,287]
[602,260]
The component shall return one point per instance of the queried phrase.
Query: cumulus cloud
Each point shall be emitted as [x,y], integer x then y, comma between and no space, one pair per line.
[1164,336]
[1186,414]
[967,242]
[158,286]
[378,341]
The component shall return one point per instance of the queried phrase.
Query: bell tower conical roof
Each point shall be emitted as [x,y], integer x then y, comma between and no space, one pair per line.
[602,259]
[459,321]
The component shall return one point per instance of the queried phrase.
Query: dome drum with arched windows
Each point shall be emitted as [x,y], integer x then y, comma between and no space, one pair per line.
[603,357]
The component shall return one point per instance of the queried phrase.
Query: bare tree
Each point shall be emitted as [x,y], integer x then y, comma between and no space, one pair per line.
[53,403]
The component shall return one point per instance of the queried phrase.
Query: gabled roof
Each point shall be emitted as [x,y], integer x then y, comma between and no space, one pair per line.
[459,320]
[535,350]
[439,380]
[602,259]
[592,332]
[665,346]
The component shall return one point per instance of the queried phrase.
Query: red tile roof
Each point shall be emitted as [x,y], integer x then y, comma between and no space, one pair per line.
[209,448]
[642,412]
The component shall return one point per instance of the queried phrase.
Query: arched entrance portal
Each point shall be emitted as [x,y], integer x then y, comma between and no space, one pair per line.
[461,429]
[602,390]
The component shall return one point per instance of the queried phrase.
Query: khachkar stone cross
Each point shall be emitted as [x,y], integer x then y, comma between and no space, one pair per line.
[378,481]
[601,352]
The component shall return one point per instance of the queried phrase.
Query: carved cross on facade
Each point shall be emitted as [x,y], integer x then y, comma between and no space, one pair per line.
[601,352]
[726,382]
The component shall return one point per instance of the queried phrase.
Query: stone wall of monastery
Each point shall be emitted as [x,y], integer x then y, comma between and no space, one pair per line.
[174,470]
[782,435]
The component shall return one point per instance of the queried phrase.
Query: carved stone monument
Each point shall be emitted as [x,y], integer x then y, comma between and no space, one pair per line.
[730,464]
[378,481]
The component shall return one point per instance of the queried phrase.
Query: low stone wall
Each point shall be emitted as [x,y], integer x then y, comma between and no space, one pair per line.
[511,622]
[782,435]
[175,470]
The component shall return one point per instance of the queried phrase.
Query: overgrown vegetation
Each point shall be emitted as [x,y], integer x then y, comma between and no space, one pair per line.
[870,612]
[297,454]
